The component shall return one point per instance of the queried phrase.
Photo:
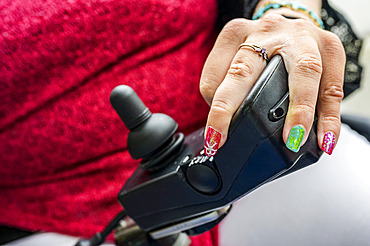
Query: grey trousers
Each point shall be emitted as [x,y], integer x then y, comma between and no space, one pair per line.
[326,204]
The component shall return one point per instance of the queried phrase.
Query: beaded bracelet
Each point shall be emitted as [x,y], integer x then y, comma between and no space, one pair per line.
[291,5]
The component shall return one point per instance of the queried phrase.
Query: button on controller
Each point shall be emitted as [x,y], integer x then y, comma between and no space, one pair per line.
[203,178]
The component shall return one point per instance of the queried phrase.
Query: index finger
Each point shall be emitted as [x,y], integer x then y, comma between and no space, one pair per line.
[241,76]
[219,60]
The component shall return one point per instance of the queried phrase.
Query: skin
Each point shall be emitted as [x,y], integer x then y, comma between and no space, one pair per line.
[314,59]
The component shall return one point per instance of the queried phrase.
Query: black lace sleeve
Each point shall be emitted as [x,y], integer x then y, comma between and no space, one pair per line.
[336,23]
[333,21]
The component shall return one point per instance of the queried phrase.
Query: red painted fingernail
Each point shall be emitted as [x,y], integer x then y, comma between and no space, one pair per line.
[328,143]
[213,139]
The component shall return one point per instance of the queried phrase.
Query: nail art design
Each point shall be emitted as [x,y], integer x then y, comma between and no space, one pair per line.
[212,142]
[328,143]
[295,138]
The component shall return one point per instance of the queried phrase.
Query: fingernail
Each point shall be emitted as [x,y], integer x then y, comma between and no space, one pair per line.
[212,142]
[295,138]
[328,143]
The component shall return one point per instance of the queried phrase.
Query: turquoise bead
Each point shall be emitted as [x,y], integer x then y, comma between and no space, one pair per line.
[294,5]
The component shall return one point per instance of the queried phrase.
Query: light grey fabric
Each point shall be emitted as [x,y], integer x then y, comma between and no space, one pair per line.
[327,204]
[47,239]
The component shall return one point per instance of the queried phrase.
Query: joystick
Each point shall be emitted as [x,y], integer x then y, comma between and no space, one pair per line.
[152,137]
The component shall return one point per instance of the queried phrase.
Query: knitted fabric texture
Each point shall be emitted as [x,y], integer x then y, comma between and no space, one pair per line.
[62,146]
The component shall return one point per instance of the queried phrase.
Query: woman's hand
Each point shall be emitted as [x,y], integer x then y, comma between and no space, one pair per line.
[314,59]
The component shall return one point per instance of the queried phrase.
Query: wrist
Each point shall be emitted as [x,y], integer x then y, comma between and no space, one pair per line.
[294,9]
[289,13]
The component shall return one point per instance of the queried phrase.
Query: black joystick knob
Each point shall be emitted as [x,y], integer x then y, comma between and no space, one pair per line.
[129,107]
[151,136]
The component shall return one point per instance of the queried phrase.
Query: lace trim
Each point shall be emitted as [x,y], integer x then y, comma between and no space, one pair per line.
[336,23]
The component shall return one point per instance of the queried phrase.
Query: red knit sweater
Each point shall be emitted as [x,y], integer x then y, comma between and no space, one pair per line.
[63,149]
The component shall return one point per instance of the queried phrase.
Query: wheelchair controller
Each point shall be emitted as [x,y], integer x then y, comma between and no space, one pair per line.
[177,189]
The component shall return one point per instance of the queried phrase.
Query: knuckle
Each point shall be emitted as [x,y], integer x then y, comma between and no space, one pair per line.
[330,119]
[304,108]
[234,28]
[241,69]
[332,91]
[271,21]
[304,25]
[333,44]
[221,107]
[206,90]
[330,38]
[309,64]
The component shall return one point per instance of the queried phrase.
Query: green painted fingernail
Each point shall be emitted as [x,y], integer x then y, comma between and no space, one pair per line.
[295,138]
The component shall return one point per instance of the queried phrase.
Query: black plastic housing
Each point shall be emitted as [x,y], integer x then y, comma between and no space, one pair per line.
[253,155]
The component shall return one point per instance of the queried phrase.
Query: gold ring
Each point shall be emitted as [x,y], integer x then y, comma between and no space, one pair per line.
[259,49]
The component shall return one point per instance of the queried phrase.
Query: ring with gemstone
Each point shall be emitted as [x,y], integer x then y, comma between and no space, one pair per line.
[262,51]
